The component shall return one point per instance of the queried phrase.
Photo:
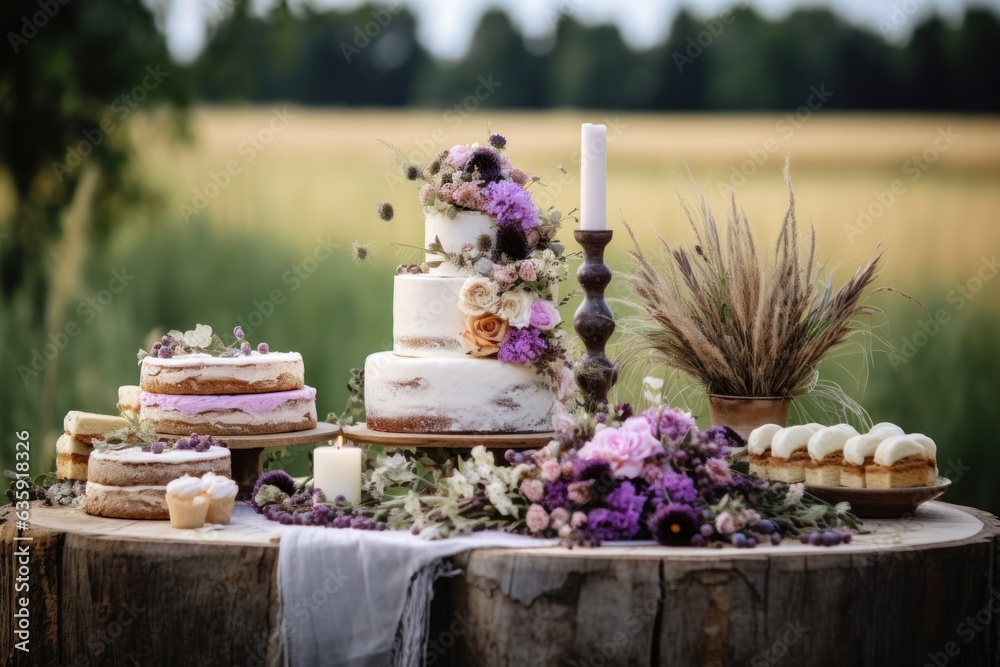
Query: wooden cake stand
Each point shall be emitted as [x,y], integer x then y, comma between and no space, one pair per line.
[497,441]
[246,450]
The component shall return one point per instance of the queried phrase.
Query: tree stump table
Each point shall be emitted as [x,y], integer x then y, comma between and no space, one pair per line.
[918,591]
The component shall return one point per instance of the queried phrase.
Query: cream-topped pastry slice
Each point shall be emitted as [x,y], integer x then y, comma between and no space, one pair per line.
[900,462]
[826,454]
[859,452]
[789,455]
[886,430]
[759,448]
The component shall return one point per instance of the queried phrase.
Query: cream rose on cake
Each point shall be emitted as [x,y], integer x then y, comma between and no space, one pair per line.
[478,296]
[483,334]
[515,307]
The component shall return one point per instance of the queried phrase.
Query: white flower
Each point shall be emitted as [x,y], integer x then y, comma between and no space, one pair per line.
[478,296]
[497,493]
[458,483]
[515,307]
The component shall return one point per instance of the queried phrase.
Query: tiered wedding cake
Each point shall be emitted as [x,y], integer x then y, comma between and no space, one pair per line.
[475,344]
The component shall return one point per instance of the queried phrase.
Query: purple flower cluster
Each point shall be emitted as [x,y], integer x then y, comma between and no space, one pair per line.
[522,345]
[195,442]
[508,203]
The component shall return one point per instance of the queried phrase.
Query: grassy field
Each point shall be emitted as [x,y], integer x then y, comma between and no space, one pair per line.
[267,245]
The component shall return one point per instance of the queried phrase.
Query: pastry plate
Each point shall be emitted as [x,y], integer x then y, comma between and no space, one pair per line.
[881,503]
[364,435]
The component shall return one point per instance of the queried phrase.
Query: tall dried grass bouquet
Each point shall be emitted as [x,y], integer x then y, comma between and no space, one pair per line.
[740,322]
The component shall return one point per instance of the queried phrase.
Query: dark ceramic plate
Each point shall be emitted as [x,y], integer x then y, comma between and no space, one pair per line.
[881,503]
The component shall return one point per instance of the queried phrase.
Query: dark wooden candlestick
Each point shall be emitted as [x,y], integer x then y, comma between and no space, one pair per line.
[594,322]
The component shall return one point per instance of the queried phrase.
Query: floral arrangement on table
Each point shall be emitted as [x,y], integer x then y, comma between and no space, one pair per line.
[201,340]
[654,475]
[509,297]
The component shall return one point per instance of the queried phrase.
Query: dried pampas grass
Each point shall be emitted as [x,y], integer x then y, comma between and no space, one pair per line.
[738,323]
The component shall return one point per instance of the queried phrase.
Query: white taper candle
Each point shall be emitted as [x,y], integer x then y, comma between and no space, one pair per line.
[593,176]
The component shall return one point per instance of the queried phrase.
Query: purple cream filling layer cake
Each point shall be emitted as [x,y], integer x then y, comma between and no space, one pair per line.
[231,414]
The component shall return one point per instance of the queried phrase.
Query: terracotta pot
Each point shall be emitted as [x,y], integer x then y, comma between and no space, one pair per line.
[745,414]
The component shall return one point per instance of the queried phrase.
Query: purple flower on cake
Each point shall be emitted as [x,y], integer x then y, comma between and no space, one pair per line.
[674,524]
[522,345]
[544,314]
[486,163]
[263,348]
[537,518]
[458,156]
[238,332]
[509,203]
[498,141]
[625,449]
[245,348]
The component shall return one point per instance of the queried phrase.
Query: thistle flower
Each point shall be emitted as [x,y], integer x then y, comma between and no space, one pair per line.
[279,479]
[487,163]
[385,211]
[511,243]
[498,141]
[484,243]
[360,253]
[412,172]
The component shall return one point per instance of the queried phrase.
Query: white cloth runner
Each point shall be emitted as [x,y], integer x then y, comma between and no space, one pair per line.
[344,592]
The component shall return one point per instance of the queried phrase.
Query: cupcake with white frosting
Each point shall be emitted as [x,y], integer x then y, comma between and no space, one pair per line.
[221,493]
[188,506]
[826,454]
[859,453]
[901,462]
[789,454]
[759,448]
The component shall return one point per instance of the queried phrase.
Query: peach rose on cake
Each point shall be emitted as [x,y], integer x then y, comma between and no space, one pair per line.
[515,307]
[483,334]
[478,296]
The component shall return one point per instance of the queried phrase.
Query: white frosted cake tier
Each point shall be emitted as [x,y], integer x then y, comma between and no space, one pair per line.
[455,395]
[426,320]
[206,374]
[465,227]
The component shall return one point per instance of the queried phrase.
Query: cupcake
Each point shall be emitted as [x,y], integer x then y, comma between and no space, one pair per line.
[826,454]
[221,493]
[900,462]
[759,448]
[789,455]
[185,502]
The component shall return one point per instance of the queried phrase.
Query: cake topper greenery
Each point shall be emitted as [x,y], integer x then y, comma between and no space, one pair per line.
[743,324]
[509,297]
[200,340]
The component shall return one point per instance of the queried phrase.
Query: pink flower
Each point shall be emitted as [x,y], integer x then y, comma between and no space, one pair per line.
[563,422]
[578,519]
[560,517]
[518,176]
[533,490]
[458,156]
[551,470]
[426,194]
[718,471]
[579,492]
[526,270]
[446,192]
[752,517]
[795,492]
[537,518]
[544,314]
[468,195]
[504,274]
[625,449]
[567,384]
[725,524]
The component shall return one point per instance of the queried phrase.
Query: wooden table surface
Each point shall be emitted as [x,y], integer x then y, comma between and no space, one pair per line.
[901,594]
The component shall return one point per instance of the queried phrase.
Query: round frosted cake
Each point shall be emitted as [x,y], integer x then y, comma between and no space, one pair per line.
[206,374]
[132,483]
[235,414]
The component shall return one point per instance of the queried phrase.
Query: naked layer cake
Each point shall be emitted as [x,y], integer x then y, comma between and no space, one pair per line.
[132,483]
[193,382]
[74,446]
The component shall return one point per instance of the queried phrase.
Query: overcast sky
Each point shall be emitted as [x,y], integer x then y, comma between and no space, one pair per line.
[445,27]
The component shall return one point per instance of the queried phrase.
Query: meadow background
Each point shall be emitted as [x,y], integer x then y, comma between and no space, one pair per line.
[269,247]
